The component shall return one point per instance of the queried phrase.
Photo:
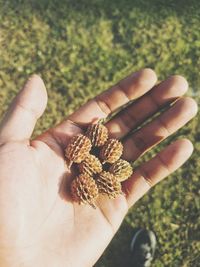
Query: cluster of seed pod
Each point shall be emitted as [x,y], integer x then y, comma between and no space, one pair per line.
[101,170]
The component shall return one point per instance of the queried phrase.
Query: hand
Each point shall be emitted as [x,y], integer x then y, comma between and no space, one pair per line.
[39,224]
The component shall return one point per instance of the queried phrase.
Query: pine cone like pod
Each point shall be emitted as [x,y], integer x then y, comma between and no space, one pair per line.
[98,134]
[108,184]
[91,165]
[121,169]
[78,148]
[111,151]
[84,190]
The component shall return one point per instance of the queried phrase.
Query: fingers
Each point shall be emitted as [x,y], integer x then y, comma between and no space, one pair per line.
[162,94]
[156,169]
[19,121]
[160,128]
[128,89]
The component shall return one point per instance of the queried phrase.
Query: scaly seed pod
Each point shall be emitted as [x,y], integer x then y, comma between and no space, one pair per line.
[108,184]
[98,134]
[84,190]
[121,169]
[90,165]
[111,151]
[78,148]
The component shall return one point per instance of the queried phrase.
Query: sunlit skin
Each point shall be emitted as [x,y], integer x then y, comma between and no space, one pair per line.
[39,223]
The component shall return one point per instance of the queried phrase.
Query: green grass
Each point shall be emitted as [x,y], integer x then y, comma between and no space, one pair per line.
[82,47]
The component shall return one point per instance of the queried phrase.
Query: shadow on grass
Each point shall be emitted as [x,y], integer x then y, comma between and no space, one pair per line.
[108,8]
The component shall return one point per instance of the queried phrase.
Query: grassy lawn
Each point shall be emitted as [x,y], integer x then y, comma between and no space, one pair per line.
[82,47]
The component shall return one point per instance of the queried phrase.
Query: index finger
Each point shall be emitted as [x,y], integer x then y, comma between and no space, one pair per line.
[130,88]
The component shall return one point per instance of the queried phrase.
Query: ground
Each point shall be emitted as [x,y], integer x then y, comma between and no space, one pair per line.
[81,48]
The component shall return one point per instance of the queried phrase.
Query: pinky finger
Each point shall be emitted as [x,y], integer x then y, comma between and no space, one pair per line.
[156,169]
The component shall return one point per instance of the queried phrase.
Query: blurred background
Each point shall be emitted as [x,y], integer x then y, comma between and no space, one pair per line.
[81,48]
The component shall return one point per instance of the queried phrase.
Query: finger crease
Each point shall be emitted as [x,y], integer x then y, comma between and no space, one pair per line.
[123,126]
[105,108]
[163,164]
[154,101]
[163,125]
[146,177]
[107,219]
[123,91]
[140,144]
[128,119]
[126,189]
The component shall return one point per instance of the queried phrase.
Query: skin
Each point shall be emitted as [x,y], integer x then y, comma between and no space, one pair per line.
[40,225]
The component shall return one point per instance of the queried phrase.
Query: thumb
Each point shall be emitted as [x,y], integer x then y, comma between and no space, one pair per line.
[21,117]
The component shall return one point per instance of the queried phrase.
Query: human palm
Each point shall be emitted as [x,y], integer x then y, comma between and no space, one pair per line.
[40,225]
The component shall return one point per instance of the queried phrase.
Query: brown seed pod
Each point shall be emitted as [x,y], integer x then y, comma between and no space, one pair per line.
[121,169]
[84,190]
[108,184]
[97,133]
[78,148]
[111,151]
[90,165]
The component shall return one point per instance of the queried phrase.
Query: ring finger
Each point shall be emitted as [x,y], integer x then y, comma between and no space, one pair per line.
[160,128]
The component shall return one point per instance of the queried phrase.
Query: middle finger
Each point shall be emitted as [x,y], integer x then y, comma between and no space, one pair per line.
[162,94]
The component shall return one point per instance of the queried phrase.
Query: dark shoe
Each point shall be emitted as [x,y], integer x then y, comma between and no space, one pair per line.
[143,248]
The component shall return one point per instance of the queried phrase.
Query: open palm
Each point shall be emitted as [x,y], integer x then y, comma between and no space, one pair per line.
[39,223]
